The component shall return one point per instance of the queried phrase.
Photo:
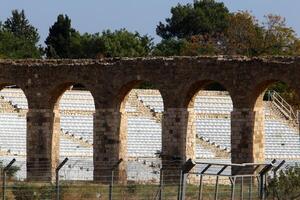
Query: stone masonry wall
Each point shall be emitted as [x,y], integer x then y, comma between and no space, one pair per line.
[177,78]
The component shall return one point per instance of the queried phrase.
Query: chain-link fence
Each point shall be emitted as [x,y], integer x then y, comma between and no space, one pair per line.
[146,179]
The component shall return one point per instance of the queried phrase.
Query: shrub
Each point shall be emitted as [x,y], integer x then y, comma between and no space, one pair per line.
[12,170]
[23,191]
[287,185]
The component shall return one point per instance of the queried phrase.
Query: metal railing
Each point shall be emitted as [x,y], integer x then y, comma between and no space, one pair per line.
[246,172]
[175,185]
[283,106]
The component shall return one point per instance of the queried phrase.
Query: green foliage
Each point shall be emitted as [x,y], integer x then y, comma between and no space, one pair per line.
[207,28]
[203,28]
[59,39]
[20,27]
[131,189]
[48,192]
[18,38]
[65,42]
[201,18]
[86,46]
[23,191]
[288,94]
[11,173]
[244,35]
[169,47]
[203,45]
[26,191]
[14,47]
[122,43]
[146,85]
[279,87]
[278,38]
[287,185]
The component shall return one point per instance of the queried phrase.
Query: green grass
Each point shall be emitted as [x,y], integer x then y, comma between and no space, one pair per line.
[91,191]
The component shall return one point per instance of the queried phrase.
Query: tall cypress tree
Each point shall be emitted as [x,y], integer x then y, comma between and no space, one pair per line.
[59,39]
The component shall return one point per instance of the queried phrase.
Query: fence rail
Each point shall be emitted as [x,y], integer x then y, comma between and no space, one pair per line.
[194,180]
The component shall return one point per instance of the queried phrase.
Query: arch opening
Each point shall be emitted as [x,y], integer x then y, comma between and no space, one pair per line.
[211,106]
[280,104]
[142,104]
[13,126]
[75,108]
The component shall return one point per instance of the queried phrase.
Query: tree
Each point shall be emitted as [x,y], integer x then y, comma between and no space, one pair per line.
[18,38]
[59,39]
[20,27]
[244,35]
[65,42]
[286,185]
[122,43]
[201,18]
[203,45]
[208,28]
[278,38]
[198,28]
[87,46]
[169,47]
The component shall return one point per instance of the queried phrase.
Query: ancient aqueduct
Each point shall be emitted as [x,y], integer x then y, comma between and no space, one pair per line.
[178,79]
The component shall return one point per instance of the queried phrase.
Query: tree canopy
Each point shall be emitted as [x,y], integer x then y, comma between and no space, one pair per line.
[59,39]
[122,43]
[278,38]
[208,28]
[201,18]
[18,38]
[64,41]
[203,28]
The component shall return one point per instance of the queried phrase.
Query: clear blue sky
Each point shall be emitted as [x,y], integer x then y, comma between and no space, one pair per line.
[140,15]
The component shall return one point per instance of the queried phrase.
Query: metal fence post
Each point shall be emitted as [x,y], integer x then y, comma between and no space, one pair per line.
[3,184]
[232,180]
[161,184]
[57,176]
[201,181]
[112,179]
[186,168]
[250,187]
[278,167]
[159,193]
[5,169]
[242,188]
[217,181]
[275,173]
[179,187]
[262,182]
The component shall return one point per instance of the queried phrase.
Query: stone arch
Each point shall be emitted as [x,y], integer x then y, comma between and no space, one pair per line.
[193,88]
[69,129]
[124,90]
[200,120]
[151,115]
[262,86]
[58,90]
[122,94]
[266,119]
